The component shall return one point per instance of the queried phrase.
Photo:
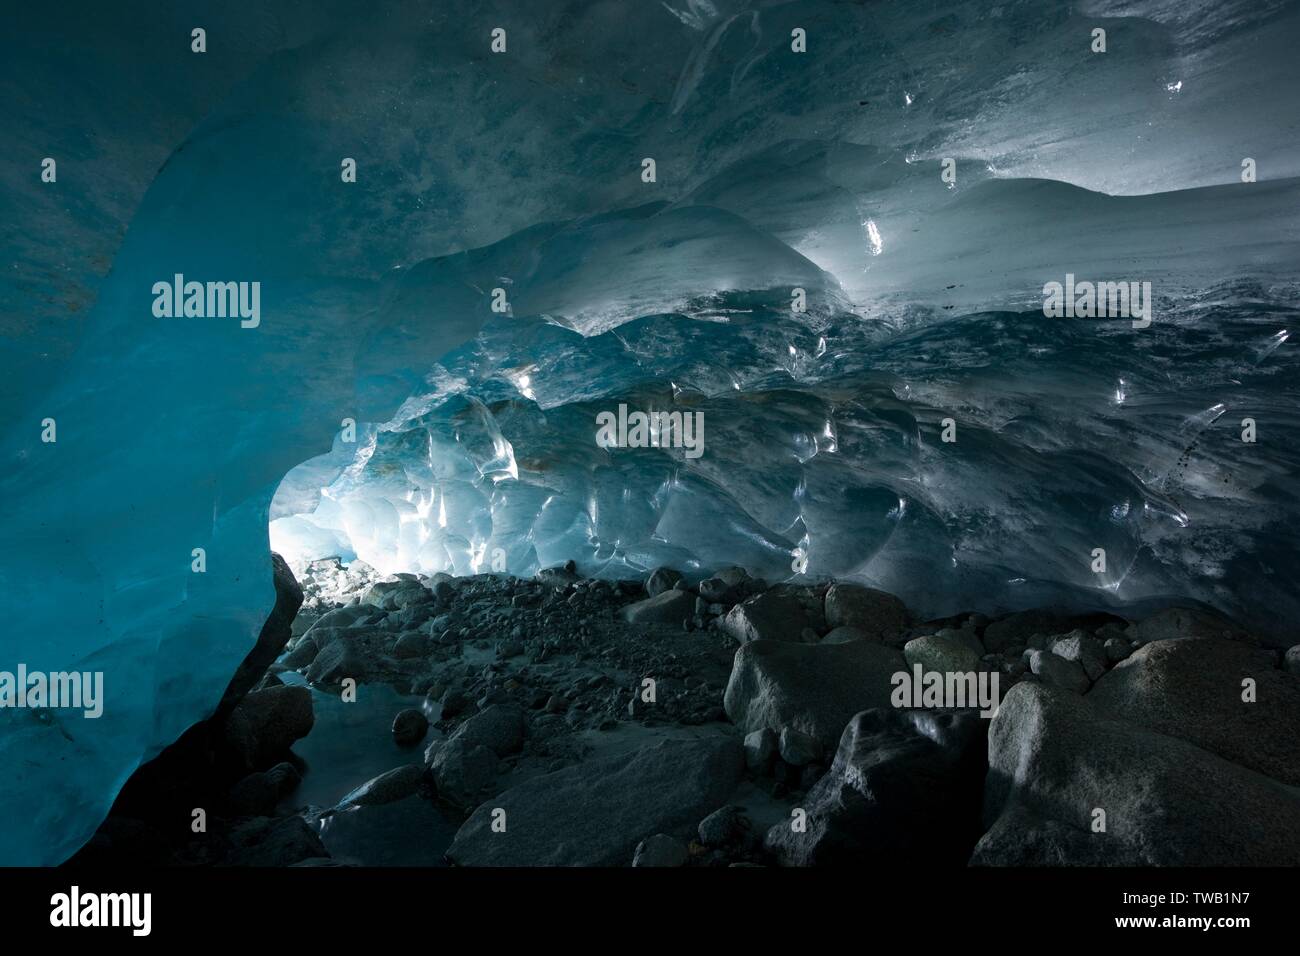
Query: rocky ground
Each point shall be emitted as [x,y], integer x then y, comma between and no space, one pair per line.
[569,721]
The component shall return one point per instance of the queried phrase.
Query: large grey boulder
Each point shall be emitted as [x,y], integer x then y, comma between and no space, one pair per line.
[1179,622]
[775,615]
[940,652]
[463,772]
[878,614]
[1059,672]
[1193,690]
[1056,758]
[661,580]
[814,688]
[596,813]
[499,727]
[388,787]
[666,607]
[904,786]
[266,723]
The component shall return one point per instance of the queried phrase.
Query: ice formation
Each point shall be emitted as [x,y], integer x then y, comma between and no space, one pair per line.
[474,445]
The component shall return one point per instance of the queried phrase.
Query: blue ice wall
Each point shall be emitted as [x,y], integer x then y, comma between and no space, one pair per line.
[522,171]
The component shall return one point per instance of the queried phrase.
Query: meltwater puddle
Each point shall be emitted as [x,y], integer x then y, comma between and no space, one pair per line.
[349,744]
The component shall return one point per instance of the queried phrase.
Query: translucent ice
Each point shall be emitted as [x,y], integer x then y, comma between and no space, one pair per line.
[474,430]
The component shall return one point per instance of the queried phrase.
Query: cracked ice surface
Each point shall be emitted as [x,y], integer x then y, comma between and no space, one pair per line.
[476,431]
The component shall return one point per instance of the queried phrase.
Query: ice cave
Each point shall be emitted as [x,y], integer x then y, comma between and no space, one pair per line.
[812,237]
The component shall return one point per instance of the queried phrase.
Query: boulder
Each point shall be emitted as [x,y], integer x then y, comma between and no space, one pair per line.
[499,727]
[667,607]
[388,787]
[904,786]
[939,653]
[1059,672]
[1180,622]
[799,749]
[1055,758]
[661,580]
[411,644]
[336,661]
[266,723]
[1291,660]
[722,827]
[843,635]
[878,614]
[1192,690]
[273,841]
[409,727]
[760,749]
[462,772]
[1081,647]
[660,850]
[814,688]
[774,615]
[595,813]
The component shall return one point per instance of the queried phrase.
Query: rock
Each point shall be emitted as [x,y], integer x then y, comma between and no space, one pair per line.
[843,635]
[409,618]
[661,580]
[560,576]
[814,688]
[499,727]
[879,615]
[1084,649]
[904,786]
[1180,622]
[1057,757]
[722,827]
[1191,689]
[1116,649]
[411,644]
[1291,662]
[774,615]
[942,654]
[799,749]
[258,793]
[1059,672]
[966,637]
[336,661]
[1019,837]
[388,787]
[594,813]
[660,850]
[273,841]
[409,727]
[461,771]
[726,587]
[302,654]
[266,723]
[395,595]
[760,749]
[667,607]
[1018,628]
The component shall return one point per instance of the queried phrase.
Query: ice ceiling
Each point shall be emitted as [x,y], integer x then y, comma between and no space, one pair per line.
[522,171]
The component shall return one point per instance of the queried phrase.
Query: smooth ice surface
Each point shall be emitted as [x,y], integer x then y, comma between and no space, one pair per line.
[522,171]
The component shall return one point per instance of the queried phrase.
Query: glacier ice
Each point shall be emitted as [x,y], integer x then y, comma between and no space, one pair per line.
[474,431]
